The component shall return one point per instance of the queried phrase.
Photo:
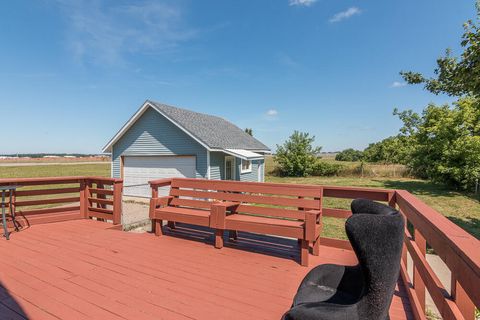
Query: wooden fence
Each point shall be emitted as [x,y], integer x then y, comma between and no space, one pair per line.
[53,199]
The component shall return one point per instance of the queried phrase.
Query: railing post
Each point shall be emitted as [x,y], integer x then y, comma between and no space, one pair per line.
[84,194]
[462,300]
[152,207]
[418,283]
[117,201]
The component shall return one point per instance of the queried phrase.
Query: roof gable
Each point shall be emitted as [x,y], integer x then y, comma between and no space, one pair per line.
[212,132]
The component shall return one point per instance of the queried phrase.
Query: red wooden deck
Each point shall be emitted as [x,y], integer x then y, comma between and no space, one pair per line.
[81,270]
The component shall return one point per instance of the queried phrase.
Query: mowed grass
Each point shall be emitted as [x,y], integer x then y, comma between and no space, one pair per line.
[462,208]
[100,169]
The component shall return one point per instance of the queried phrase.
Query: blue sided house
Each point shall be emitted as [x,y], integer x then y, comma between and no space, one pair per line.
[161,141]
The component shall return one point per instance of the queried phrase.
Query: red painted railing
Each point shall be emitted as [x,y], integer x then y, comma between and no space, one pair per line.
[43,200]
[459,250]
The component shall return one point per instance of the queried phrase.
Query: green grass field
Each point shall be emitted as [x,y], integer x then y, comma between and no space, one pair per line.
[461,208]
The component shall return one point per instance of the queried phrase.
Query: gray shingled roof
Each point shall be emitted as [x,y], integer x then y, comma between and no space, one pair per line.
[215,132]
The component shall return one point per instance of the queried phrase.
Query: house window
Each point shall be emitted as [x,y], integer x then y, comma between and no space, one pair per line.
[246,166]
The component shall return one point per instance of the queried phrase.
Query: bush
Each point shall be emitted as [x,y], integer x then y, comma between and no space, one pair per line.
[297,156]
[322,168]
[349,155]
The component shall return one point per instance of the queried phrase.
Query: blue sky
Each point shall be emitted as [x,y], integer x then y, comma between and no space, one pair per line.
[72,72]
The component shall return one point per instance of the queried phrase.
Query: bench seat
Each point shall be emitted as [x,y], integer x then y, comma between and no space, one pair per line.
[256,224]
[293,211]
[186,215]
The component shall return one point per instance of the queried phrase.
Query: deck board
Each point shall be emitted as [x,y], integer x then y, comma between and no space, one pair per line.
[82,270]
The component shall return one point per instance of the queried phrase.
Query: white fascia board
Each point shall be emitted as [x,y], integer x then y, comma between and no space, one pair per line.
[136,116]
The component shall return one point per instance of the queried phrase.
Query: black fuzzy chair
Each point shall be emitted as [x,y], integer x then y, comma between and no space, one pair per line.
[363,291]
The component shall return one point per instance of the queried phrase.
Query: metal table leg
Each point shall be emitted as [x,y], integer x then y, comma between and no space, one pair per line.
[12,212]
[4,217]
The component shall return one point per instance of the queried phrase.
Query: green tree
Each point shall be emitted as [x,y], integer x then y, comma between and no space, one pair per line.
[396,149]
[249,131]
[349,155]
[446,139]
[297,156]
[446,142]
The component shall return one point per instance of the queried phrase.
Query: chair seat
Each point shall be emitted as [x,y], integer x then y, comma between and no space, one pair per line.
[330,283]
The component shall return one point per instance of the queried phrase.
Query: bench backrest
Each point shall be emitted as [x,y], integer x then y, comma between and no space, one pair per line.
[256,198]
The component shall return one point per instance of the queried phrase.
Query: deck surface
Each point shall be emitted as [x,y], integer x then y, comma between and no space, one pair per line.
[81,270]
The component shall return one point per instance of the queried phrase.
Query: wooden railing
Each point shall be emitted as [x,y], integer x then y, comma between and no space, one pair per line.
[43,200]
[459,250]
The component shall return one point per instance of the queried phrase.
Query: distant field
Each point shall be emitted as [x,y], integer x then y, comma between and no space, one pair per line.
[100,169]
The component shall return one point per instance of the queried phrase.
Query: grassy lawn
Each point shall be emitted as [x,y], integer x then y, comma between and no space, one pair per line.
[460,207]
[100,169]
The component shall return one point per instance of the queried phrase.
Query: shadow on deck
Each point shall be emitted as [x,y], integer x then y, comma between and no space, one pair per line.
[80,269]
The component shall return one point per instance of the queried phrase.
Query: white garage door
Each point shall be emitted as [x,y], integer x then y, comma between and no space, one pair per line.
[137,171]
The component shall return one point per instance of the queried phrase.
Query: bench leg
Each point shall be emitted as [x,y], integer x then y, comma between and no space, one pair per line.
[233,234]
[304,253]
[218,238]
[158,227]
[316,247]
[171,224]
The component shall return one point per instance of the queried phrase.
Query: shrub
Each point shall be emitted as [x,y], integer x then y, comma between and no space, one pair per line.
[349,155]
[322,168]
[297,156]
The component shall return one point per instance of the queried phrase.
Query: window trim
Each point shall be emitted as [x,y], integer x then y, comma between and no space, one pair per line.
[246,170]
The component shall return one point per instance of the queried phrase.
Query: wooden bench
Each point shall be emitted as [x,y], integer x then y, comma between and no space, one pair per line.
[267,208]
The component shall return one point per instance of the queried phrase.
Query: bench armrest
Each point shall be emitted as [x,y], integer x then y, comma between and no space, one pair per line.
[311,219]
[218,212]
[158,202]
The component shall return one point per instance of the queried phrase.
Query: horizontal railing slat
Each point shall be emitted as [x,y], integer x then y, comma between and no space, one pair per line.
[47,210]
[100,201]
[39,192]
[46,201]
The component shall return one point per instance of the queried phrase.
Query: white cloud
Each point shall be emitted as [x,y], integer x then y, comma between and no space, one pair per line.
[271,114]
[350,12]
[398,84]
[304,3]
[107,34]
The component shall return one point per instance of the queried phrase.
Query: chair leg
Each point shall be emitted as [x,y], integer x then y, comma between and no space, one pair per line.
[304,253]
[218,238]
[171,224]
[316,247]
[158,227]
[233,234]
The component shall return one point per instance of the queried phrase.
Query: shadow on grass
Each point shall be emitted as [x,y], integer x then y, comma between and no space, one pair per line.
[472,225]
[427,188]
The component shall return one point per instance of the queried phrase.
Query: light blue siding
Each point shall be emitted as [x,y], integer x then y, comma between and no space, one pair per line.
[217,165]
[250,176]
[217,168]
[152,134]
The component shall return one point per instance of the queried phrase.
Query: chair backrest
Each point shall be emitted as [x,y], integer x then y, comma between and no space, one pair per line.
[376,236]
[256,198]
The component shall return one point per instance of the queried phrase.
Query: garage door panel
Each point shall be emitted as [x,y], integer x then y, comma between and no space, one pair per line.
[138,170]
